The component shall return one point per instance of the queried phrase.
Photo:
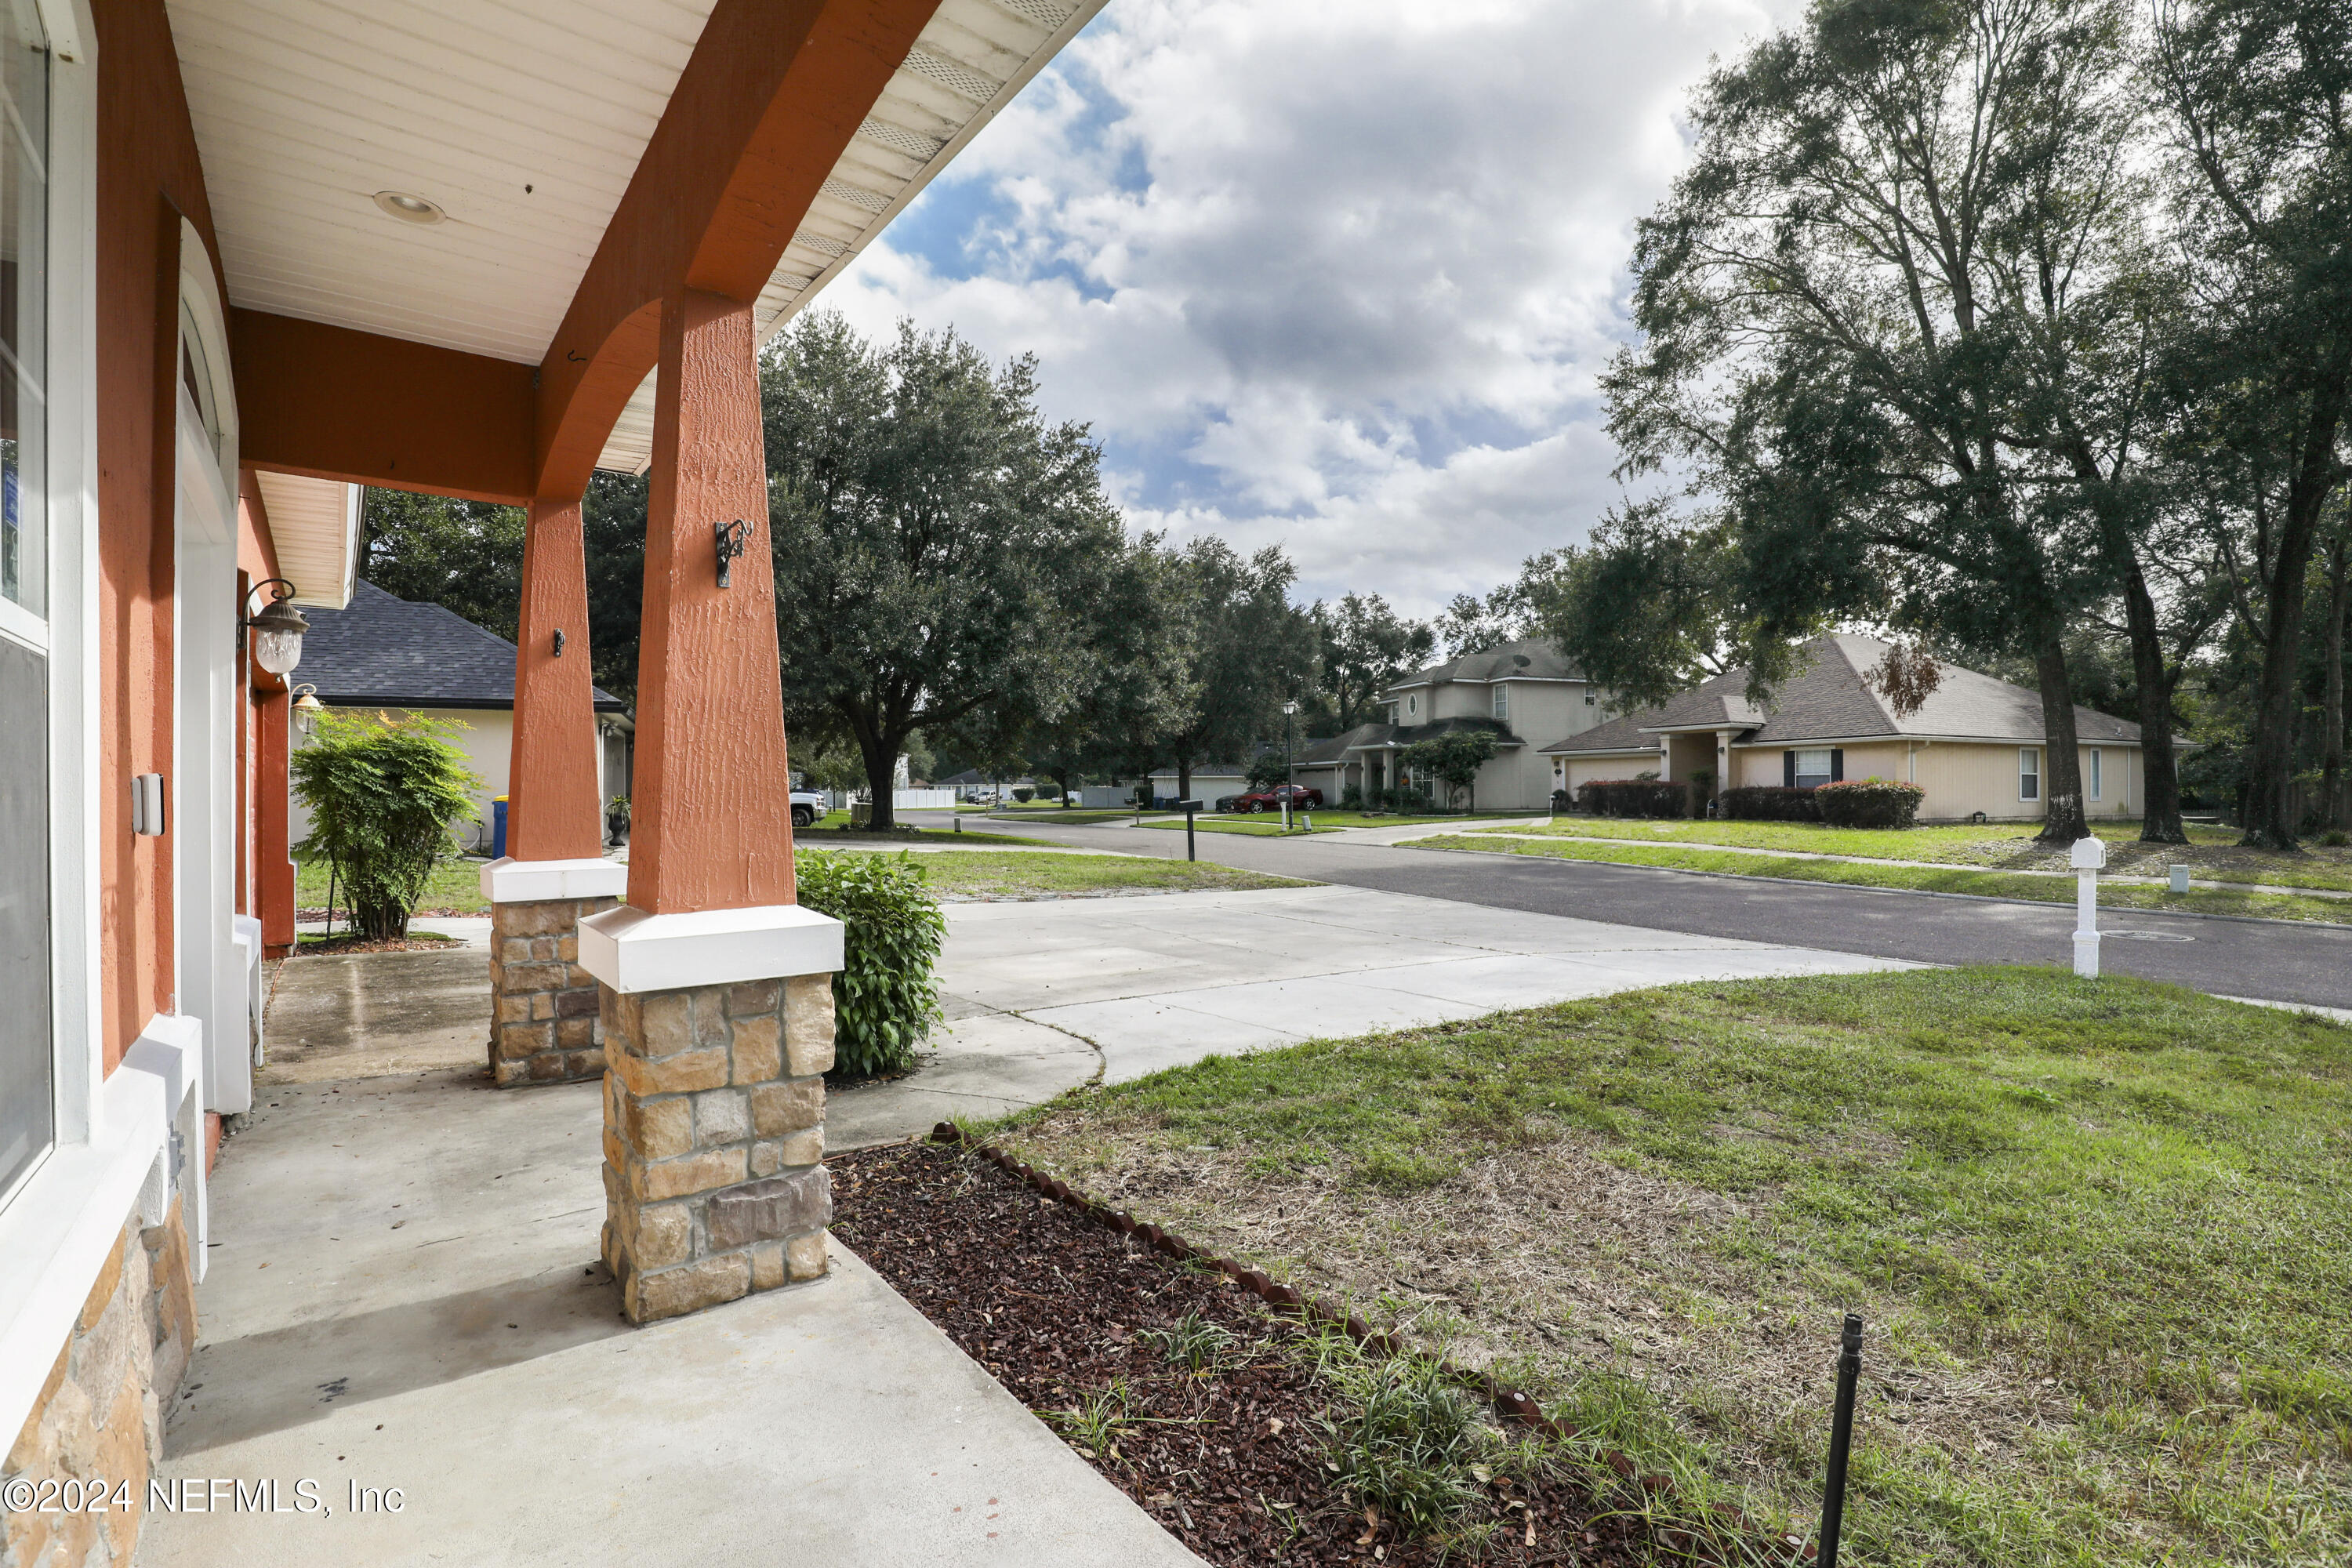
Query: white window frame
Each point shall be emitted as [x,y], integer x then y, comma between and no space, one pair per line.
[69,634]
[2098,773]
[1826,774]
[1502,702]
[2029,770]
[1412,705]
[123,1141]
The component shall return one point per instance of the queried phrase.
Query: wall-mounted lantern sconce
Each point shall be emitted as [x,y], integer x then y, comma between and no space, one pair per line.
[559,642]
[306,709]
[277,630]
[730,545]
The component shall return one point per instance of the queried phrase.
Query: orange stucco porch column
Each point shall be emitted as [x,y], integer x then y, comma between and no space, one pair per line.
[716,986]
[273,860]
[543,1024]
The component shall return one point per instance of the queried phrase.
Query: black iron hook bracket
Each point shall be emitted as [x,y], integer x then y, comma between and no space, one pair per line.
[730,544]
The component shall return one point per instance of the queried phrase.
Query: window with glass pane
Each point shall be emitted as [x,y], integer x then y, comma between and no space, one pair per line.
[2098,775]
[1502,701]
[1814,768]
[24,314]
[2029,773]
[28,1067]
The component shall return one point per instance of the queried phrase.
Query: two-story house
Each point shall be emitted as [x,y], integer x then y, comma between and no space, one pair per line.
[1524,691]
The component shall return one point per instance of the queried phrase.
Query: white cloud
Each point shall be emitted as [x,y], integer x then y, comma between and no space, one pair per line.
[1338,274]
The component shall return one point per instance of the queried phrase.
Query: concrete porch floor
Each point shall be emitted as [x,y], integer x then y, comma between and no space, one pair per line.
[405,1294]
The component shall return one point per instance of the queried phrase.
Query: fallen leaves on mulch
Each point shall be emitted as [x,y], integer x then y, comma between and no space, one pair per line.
[311,948]
[1231,1459]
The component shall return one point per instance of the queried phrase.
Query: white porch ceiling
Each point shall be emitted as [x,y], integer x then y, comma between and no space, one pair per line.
[524,119]
[305,109]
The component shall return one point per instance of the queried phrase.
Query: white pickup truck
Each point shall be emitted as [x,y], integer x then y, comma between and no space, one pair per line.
[807,807]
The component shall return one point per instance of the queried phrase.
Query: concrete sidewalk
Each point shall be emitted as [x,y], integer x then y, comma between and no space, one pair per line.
[1044,996]
[406,1294]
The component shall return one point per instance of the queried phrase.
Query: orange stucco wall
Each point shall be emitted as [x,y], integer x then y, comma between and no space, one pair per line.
[149,177]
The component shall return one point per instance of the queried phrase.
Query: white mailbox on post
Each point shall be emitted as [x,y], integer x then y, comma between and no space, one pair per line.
[2089,855]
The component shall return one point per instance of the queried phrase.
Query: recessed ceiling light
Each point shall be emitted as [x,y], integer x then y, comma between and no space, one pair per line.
[408,208]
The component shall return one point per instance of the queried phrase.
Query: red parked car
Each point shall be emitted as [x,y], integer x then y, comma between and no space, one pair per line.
[1302,798]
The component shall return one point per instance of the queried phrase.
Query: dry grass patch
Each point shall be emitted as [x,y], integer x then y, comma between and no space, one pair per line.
[2099,1233]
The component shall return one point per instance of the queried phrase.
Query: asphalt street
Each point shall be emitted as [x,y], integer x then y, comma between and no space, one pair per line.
[2273,960]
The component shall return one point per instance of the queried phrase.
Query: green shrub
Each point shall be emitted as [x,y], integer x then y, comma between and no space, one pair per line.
[1634,798]
[1869,803]
[1769,803]
[384,793]
[885,998]
[1023,794]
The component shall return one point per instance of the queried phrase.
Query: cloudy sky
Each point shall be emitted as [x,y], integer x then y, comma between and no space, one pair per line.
[1338,275]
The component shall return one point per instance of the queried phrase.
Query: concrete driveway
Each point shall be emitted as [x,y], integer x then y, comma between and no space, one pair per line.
[2294,961]
[1044,996]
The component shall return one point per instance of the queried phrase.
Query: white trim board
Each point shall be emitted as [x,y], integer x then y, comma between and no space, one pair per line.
[506,880]
[632,951]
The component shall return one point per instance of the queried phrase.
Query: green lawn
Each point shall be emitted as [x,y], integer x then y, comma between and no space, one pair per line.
[837,828]
[1927,878]
[1325,821]
[2098,1230]
[1993,846]
[1249,827]
[454,889]
[992,874]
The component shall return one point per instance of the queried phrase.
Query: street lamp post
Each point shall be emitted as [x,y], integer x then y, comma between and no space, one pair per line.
[1289,759]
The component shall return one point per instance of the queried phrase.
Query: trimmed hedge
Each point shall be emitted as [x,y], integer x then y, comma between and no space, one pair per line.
[1869,803]
[1633,797]
[1769,803]
[887,997]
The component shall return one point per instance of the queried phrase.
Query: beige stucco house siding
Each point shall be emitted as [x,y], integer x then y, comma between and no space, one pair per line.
[1964,777]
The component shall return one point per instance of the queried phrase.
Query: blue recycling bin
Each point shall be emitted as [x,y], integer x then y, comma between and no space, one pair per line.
[499,828]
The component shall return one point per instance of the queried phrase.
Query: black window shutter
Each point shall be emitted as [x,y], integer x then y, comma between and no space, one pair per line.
[1788,770]
[1837,764]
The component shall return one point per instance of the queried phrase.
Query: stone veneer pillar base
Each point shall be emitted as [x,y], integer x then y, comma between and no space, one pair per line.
[543,1009]
[714,1135]
[544,1015]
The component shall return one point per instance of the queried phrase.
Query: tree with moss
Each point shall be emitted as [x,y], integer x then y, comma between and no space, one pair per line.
[384,796]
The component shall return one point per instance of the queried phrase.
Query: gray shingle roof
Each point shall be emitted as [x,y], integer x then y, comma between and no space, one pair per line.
[1829,700]
[1531,660]
[388,650]
[1622,733]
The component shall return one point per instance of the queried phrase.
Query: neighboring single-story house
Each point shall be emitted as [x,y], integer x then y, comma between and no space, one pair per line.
[1526,692]
[387,654]
[1976,745]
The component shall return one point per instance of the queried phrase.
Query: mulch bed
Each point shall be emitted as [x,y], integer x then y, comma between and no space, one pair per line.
[310,947]
[1231,1460]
